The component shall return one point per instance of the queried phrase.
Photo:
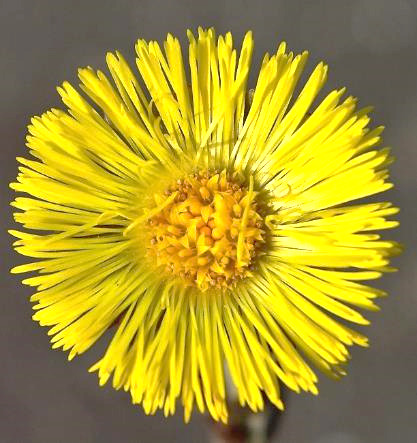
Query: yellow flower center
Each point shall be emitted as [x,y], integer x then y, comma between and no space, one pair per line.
[207,230]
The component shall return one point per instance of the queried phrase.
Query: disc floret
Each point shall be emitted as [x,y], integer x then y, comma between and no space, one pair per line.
[209,230]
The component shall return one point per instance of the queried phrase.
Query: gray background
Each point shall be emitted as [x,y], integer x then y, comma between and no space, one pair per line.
[370,46]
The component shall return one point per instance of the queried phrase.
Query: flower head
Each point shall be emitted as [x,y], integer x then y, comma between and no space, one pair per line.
[212,230]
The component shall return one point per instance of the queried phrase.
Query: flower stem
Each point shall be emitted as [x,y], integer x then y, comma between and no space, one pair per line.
[245,426]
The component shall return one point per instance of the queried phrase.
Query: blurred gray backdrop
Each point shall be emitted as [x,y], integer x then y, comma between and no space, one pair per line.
[370,46]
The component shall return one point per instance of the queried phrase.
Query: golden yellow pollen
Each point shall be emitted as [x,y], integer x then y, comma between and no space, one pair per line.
[208,230]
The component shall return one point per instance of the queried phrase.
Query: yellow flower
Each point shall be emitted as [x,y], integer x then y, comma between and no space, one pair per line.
[213,231]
